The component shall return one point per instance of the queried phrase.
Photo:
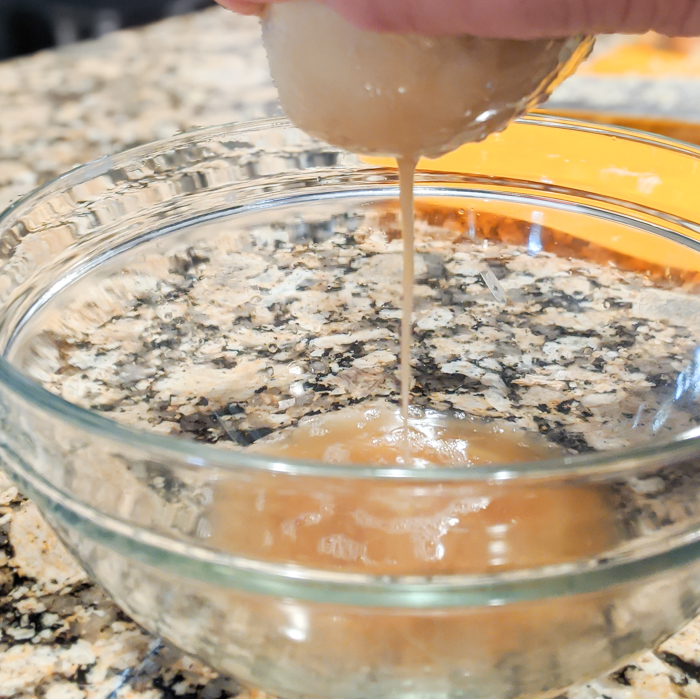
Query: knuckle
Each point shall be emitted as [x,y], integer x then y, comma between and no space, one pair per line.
[686,21]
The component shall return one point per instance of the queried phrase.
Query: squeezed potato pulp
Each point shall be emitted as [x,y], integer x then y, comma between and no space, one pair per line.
[404,96]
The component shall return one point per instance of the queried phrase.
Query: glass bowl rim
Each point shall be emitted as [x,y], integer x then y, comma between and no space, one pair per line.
[196,454]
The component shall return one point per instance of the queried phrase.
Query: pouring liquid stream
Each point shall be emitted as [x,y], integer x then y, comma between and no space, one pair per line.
[407,175]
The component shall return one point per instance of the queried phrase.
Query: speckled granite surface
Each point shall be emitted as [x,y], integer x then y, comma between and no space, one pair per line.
[674,97]
[59,636]
[244,329]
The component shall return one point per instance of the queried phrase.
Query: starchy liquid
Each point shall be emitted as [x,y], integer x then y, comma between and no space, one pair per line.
[389,528]
[377,435]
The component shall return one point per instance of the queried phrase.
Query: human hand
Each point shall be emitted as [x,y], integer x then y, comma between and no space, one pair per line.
[243,7]
[516,19]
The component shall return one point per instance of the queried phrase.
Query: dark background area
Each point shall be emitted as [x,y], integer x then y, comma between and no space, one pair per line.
[27,26]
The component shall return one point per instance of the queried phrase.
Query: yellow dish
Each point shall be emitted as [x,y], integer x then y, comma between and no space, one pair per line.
[653,178]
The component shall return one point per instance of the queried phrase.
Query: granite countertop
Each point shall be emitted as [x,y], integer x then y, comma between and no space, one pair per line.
[60,637]
[672,96]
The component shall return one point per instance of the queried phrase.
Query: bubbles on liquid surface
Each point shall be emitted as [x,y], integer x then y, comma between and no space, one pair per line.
[378,436]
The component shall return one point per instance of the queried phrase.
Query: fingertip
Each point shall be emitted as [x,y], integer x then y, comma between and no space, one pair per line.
[243,7]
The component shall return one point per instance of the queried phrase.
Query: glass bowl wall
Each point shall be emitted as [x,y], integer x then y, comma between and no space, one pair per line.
[166,308]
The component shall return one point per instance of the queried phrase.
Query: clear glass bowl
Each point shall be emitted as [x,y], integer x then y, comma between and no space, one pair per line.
[165,308]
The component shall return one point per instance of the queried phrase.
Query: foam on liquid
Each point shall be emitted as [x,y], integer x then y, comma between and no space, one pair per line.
[379,435]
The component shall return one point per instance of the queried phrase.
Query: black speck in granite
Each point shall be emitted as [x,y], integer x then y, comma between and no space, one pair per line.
[621,676]
[565,406]
[556,433]
[689,669]
[252,436]
[430,379]
[564,301]
[599,364]
[185,264]
[623,338]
